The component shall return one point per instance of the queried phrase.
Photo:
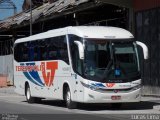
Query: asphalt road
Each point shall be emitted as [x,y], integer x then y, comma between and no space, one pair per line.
[17,107]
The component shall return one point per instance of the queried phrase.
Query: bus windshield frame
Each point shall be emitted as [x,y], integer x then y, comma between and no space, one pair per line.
[121,56]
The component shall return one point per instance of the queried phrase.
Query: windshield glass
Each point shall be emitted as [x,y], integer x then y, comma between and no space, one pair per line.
[107,61]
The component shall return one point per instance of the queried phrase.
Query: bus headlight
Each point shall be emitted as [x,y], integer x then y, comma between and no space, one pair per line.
[91,87]
[136,87]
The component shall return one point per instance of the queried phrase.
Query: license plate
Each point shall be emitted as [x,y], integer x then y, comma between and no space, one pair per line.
[115,97]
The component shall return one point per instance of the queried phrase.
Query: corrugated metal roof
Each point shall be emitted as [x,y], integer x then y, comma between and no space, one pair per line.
[42,11]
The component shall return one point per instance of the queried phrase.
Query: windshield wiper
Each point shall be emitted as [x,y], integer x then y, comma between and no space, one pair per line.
[107,70]
[109,66]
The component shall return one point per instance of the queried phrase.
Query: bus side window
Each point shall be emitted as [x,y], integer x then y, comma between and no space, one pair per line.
[21,49]
[17,49]
[63,49]
[36,51]
[24,51]
[52,49]
[43,49]
[31,50]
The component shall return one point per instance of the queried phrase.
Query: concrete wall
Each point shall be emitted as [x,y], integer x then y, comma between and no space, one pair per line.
[6,67]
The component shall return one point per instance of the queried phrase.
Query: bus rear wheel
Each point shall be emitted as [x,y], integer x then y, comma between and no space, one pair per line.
[29,98]
[69,103]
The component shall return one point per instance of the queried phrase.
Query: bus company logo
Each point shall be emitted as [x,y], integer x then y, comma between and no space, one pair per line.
[116,91]
[30,70]
[110,84]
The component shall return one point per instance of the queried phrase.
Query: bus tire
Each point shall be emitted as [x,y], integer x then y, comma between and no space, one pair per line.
[69,103]
[29,98]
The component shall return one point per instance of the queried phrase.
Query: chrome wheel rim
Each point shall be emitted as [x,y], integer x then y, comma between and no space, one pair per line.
[28,94]
[68,97]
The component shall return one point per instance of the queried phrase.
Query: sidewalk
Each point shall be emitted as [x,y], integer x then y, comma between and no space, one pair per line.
[7,91]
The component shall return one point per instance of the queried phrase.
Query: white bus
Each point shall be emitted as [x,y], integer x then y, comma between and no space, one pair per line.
[86,64]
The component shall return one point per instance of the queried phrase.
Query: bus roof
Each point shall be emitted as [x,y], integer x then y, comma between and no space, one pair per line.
[102,32]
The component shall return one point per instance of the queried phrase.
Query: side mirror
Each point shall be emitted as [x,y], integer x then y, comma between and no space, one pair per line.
[145,49]
[80,49]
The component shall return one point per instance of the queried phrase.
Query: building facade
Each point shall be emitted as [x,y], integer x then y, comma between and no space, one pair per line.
[147,30]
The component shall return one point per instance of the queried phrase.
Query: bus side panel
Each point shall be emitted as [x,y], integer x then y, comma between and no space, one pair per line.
[19,80]
[40,76]
[63,76]
[45,78]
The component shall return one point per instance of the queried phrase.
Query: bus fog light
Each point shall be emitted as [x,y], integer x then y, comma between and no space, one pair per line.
[137,95]
[91,96]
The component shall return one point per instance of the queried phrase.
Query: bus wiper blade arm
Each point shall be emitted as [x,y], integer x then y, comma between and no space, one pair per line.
[107,69]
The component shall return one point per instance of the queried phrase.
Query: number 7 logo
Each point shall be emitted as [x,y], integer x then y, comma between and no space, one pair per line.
[48,72]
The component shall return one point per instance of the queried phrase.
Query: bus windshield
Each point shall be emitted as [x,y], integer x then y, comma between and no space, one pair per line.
[107,61]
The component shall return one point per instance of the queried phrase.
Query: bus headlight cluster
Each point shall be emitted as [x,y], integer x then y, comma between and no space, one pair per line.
[91,87]
[136,87]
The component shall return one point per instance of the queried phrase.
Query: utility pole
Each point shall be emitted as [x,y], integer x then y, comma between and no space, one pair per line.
[30,17]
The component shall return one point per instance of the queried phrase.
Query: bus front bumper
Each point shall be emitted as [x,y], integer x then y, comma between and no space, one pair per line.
[92,96]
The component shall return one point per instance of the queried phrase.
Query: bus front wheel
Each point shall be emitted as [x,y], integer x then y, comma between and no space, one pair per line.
[29,98]
[69,103]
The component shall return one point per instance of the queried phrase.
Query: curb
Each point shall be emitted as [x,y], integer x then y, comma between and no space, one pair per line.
[157,107]
[7,90]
